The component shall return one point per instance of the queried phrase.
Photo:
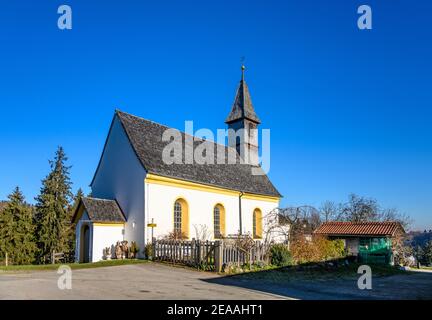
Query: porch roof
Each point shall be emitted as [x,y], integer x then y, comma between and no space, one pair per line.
[99,210]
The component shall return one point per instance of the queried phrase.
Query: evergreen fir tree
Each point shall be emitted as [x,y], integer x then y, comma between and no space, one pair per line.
[71,230]
[7,235]
[53,209]
[17,230]
[427,253]
[78,196]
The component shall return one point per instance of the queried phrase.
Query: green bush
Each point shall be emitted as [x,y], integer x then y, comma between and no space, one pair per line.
[319,249]
[280,255]
[148,251]
[332,249]
[339,248]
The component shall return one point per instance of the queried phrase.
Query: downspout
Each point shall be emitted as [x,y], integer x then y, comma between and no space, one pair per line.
[240,213]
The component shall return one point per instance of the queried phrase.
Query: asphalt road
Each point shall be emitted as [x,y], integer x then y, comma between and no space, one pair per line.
[157,281]
[140,281]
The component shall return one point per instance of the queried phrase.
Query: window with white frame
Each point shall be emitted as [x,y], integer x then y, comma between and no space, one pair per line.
[217,222]
[177,217]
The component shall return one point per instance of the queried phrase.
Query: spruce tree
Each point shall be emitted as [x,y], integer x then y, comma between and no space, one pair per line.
[7,235]
[71,230]
[427,253]
[78,196]
[53,209]
[17,230]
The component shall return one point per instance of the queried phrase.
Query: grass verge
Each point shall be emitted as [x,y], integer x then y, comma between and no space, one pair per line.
[307,272]
[422,268]
[75,266]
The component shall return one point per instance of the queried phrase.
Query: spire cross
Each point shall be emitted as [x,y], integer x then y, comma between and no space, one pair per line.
[243,68]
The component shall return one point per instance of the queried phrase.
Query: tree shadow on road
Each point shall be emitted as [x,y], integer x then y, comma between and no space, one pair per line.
[319,281]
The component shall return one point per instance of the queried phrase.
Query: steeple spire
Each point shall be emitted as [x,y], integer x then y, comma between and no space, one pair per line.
[242,107]
[243,124]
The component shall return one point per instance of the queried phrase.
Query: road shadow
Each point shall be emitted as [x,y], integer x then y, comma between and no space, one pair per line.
[330,280]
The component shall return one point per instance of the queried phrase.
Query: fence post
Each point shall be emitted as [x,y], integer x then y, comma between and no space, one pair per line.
[53,257]
[153,254]
[193,251]
[198,252]
[6,259]
[218,255]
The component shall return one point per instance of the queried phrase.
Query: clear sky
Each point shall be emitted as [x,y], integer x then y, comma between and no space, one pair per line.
[349,110]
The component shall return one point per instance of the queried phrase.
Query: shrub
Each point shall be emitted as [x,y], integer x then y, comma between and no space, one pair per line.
[134,249]
[330,249]
[339,248]
[148,250]
[280,255]
[319,249]
[175,235]
[304,251]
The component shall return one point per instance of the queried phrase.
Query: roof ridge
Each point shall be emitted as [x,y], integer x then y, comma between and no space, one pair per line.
[142,118]
[165,126]
[360,222]
[93,198]
[144,137]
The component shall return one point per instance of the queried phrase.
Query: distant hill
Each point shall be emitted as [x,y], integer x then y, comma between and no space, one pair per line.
[419,237]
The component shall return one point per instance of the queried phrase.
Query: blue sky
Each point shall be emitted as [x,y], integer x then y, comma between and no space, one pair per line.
[349,110]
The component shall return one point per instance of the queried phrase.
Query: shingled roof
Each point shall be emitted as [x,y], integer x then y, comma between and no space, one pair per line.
[338,228]
[242,107]
[101,210]
[146,139]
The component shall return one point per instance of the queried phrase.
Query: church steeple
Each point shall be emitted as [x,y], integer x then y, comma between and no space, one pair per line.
[242,107]
[242,124]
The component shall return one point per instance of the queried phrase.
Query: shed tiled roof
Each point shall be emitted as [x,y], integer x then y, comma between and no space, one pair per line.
[388,228]
[101,210]
[146,139]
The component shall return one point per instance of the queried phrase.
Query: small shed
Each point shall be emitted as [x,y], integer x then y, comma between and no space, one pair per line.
[370,242]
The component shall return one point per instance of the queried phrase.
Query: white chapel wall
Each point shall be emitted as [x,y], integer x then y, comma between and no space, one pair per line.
[120,177]
[105,236]
[160,202]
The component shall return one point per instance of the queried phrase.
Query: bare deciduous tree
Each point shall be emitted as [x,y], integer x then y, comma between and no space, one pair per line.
[276,227]
[329,211]
[175,235]
[393,214]
[287,224]
[202,232]
[360,209]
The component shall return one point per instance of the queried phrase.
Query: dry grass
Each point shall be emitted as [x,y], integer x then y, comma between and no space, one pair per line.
[317,273]
[46,267]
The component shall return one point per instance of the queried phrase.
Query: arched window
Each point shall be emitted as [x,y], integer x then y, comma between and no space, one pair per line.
[181,218]
[257,224]
[177,217]
[218,221]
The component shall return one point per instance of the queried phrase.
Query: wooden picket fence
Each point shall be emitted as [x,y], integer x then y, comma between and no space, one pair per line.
[213,255]
[231,254]
[57,257]
[192,253]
